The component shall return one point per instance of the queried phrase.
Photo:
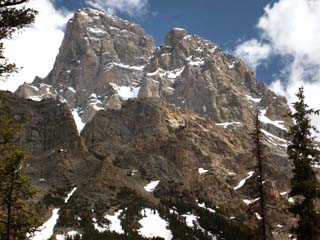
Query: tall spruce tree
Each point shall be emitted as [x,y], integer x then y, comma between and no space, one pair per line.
[304,185]
[260,176]
[17,216]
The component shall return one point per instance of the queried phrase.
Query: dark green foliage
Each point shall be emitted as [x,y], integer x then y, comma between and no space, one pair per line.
[259,179]
[17,213]
[11,20]
[89,233]
[50,200]
[216,223]
[305,187]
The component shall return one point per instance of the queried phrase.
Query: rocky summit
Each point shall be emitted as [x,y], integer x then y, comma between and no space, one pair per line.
[134,141]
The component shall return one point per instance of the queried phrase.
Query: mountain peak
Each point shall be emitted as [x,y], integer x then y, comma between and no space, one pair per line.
[175,36]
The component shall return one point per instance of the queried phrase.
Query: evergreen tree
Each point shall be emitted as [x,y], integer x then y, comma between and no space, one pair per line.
[17,216]
[13,16]
[259,156]
[304,185]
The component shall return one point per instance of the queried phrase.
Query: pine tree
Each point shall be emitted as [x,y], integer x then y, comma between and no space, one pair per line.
[17,216]
[13,16]
[259,156]
[304,185]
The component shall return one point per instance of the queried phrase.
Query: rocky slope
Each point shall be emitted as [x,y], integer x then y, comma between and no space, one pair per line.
[181,147]
[148,155]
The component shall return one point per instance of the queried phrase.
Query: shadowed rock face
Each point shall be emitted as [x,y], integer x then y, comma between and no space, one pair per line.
[189,126]
[47,131]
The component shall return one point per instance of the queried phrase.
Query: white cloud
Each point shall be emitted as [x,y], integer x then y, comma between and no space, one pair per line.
[130,7]
[35,48]
[253,52]
[290,29]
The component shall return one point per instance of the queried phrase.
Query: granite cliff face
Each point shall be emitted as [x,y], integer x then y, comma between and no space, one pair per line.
[105,60]
[181,146]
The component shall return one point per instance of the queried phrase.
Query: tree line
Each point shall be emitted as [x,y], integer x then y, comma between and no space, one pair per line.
[18,219]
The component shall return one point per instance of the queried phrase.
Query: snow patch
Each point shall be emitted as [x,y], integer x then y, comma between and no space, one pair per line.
[153,225]
[169,74]
[250,201]
[258,216]
[191,219]
[151,186]
[263,118]
[203,205]
[195,62]
[70,195]
[243,181]
[80,125]
[272,138]
[137,68]
[115,222]
[126,92]
[230,66]
[70,234]
[95,30]
[71,89]
[213,50]
[226,124]
[291,200]
[256,100]
[202,171]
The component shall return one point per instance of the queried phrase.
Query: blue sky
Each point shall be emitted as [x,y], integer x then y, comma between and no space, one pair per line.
[279,39]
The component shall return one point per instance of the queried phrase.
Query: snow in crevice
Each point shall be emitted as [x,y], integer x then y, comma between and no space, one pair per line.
[172,74]
[77,119]
[96,30]
[70,195]
[126,92]
[227,124]
[95,103]
[47,229]
[263,118]
[125,66]
[243,181]
[274,139]
[258,216]
[250,201]
[195,61]
[213,50]
[203,205]
[71,89]
[256,100]
[202,171]
[231,66]
[151,186]
[152,225]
